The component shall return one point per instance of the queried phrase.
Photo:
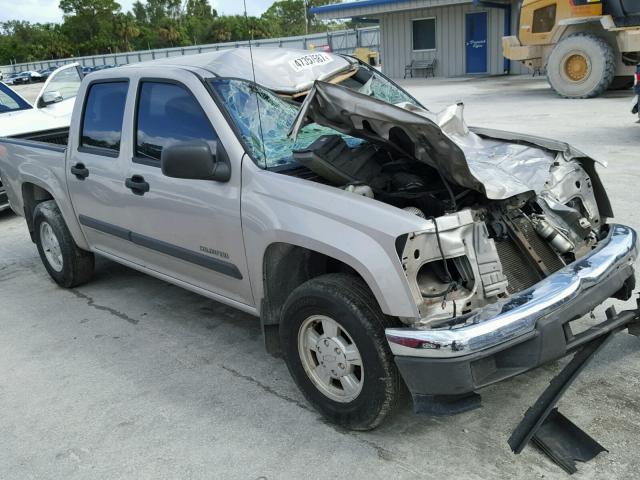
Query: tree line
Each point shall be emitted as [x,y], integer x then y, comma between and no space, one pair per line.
[92,27]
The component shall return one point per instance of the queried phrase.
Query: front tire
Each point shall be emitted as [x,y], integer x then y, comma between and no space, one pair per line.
[332,335]
[582,65]
[66,263]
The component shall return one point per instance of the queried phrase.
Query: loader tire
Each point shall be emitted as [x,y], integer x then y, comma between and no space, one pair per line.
[582,65]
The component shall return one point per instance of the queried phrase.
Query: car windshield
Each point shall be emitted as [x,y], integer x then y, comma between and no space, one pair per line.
[10,101]
[264,119]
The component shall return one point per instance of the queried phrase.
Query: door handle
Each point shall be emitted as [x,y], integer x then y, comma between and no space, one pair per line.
[80,171]
[137,184]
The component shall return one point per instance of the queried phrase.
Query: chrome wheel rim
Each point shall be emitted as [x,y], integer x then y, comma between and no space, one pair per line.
[51,246]
[330,358]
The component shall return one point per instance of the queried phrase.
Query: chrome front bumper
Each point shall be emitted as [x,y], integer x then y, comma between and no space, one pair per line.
[518,315]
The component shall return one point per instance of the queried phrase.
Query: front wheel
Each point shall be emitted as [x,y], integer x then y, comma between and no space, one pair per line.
[332,334]
[66,263]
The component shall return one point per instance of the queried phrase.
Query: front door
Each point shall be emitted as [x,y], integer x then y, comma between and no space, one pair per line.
[476,42]
[187,229]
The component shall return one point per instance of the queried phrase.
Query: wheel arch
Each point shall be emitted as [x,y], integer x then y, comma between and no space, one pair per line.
[285,266]
[32,195]
[34,192]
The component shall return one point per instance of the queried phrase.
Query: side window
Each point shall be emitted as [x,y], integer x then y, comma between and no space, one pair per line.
[543,19]
[10,103]
[65,83]
[167,113]
[102,117]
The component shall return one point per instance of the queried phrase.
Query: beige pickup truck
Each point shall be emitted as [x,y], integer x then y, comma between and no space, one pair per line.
[379,243]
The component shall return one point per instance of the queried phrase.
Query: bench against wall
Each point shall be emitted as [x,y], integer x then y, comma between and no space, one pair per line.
[429,66]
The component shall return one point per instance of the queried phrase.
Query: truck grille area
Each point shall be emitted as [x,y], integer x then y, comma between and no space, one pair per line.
[526,258]
[515,267]
[539,247]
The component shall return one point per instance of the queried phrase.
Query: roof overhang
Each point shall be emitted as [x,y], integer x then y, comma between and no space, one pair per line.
[368,8]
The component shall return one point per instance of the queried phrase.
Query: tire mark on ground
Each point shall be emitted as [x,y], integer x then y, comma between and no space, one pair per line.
[383,453]
[91,303]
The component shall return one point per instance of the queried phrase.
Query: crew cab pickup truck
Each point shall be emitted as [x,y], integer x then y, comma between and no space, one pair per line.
[378,242]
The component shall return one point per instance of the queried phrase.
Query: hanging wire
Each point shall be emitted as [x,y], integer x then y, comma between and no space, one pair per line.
[255,86]
[453,285]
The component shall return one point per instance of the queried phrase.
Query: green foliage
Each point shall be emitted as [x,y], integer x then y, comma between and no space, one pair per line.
[92,27]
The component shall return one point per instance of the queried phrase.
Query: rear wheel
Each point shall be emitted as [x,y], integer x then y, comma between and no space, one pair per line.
[65,262]
[581,66]
[332,334]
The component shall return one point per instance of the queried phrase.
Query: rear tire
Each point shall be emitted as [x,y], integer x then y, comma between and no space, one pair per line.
[332,336]
[582,65]
[67,264]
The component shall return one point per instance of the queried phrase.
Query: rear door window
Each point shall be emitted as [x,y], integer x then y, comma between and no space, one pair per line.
[102,118]
[167,113]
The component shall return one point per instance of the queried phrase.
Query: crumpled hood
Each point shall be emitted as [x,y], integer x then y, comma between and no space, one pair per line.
[499,169]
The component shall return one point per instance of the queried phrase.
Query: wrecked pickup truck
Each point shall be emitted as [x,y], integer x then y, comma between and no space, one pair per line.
[379,243]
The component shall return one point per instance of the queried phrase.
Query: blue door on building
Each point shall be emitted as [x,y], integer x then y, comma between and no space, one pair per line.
[476,42]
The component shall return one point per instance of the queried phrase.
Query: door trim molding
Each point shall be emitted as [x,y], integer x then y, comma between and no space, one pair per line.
[226,268]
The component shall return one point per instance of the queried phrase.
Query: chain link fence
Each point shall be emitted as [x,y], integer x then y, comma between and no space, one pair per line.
[341,41]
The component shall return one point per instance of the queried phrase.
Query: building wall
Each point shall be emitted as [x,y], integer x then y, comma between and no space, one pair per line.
[396,40]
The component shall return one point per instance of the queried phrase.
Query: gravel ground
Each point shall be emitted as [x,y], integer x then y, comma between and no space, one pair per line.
[129,377]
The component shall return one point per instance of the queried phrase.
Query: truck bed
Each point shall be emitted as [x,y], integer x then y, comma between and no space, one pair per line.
[59,136]
[28,161]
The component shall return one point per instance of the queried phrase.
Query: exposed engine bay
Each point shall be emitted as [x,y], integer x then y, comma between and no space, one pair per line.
[504,214]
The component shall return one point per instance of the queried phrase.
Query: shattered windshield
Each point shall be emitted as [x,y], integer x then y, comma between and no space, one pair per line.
[370,82]
[264,119]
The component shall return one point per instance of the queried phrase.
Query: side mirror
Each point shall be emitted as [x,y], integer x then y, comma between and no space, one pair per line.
[195,160]
[51,97]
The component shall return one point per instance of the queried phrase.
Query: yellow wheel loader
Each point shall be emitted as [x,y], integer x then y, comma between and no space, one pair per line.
[585,46]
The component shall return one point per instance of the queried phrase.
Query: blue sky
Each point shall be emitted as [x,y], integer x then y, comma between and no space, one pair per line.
[47,10]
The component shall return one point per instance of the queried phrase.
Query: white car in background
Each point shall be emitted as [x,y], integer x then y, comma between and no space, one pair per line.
[51,110]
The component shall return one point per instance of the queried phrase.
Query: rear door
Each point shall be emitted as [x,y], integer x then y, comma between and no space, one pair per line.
[186,229]
[97,164]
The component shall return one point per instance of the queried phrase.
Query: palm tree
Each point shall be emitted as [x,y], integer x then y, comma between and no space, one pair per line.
[126,29]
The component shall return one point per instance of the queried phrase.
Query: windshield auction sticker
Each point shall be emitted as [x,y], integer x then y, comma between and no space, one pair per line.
[309,61]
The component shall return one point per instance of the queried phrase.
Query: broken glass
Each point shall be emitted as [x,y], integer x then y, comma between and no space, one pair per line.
[264,119]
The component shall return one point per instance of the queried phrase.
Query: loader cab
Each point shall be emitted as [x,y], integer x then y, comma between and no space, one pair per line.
[625,13]
[538,20]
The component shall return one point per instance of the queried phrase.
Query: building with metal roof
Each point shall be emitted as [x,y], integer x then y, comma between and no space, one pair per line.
[439,37]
